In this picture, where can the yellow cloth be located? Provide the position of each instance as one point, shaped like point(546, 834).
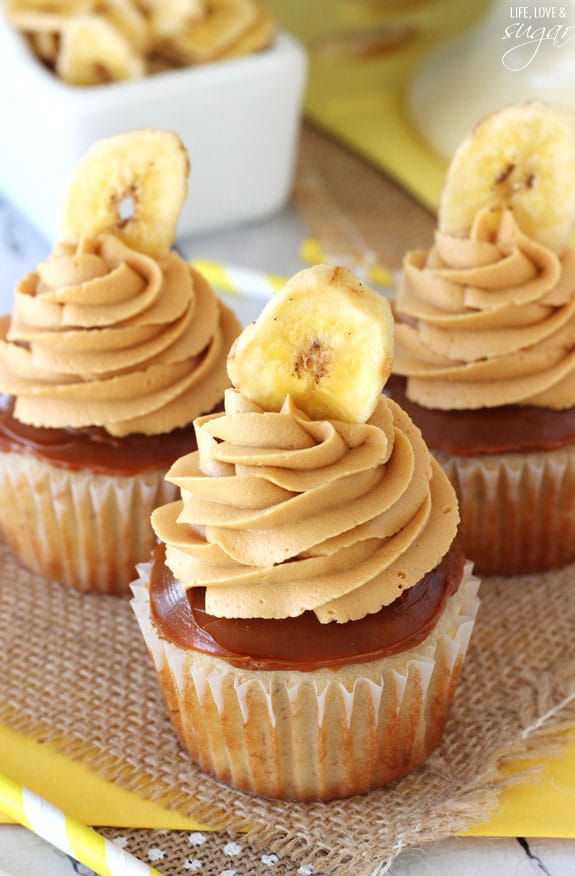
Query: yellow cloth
point(78, 791)
point(543, 808)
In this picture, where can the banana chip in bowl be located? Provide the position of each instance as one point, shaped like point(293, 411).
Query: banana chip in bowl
point(91, 42)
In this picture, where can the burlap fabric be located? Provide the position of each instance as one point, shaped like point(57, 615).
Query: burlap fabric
point(359, 216)
point(77, 676)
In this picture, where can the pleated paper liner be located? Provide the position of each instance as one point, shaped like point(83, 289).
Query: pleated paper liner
point(79, 680)
point(317, 735)
point(517, 509)
point(95, 527)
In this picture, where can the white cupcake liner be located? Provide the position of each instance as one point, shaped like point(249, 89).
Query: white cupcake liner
point(85, 530)
point(517, 509)
point(314, 735)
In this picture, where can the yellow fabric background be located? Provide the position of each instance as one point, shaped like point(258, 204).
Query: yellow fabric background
point(362, 101)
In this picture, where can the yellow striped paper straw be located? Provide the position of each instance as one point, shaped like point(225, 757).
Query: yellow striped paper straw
point(248, 283)
point(237, 280)
point(70, 836)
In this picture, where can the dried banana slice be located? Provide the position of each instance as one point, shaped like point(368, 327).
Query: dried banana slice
point(223, 25)
point(45, 45)
point(258, 37)
point(325, 339)
point(93, 51)
point(158, 64)
point(168, 17)
point(43, 16)
point(133, 185)
point(127, 19)
point(520, 158)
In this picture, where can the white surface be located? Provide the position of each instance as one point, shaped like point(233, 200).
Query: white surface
point(517, 52)
point(239, 120)
point(23, 854)
point(269, 246)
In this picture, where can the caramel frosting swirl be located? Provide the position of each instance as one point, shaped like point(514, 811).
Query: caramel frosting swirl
point(487, 320)
point(102, 335)
point(280, 514)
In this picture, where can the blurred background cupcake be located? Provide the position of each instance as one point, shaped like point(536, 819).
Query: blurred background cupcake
point(113, 346)
point(485, 361)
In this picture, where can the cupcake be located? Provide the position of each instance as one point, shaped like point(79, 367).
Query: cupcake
point(307, 607)
point(485, 339)
point(114, 345)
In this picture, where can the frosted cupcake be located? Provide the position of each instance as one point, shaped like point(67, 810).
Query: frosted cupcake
point(307, 609)
point(113, 346)
point(485, 339)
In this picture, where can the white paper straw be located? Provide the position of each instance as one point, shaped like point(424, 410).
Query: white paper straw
point(83, 843)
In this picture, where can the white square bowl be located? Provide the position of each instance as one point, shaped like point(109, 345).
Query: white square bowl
point(239, 120)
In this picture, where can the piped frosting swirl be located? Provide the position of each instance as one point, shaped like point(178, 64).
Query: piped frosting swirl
point(281, 514)
point(487, 320)
point(103, 335)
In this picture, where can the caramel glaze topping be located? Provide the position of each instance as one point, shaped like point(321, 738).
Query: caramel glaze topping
point(92, 447)
point(300, 643)
point(504, 429)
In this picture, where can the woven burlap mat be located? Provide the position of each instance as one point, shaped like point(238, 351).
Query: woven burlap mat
point(76, 674)
point(358, 215)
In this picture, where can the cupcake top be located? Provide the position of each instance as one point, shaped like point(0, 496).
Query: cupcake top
point(485, 317)
point(311, 491)
point(115, 329)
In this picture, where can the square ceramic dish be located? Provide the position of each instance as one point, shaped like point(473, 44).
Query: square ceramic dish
point(239, 120)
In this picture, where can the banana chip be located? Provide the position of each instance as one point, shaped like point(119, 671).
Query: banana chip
point(256, 39)
point(45, 44)
point(225, 23)
point(520, 158)
point(90, 42)
point(92, 52)
point(143, 173)
point(325, 340)
point(43, 16)
point(125, 16)
point(169, 17)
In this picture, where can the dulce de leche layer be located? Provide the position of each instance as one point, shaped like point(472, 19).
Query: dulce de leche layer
point(487, 320)
point(281, 515)
point(93, 448)
point(506, 429)
point(101, 335)
point(301, 643)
